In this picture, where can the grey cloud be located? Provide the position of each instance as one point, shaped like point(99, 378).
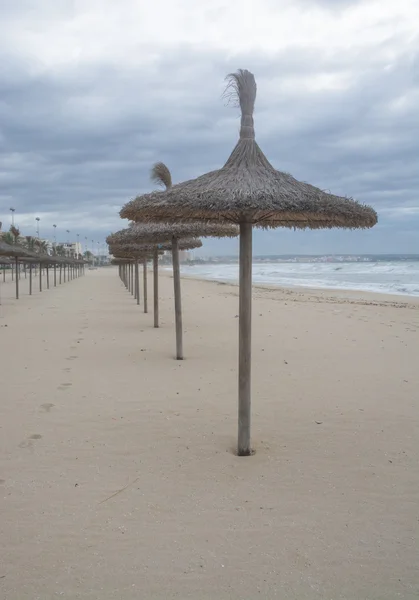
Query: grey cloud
point(82, 141)
point(334, 5)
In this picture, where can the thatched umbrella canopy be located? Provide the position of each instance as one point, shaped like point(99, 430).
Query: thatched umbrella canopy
point(138, 253)
point(16, 252)
point(161, 232)
point(120, 261)
point(182, 244)
point(4, 261)
point(249, 191)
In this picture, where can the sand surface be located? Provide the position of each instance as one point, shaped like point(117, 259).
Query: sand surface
point(117, 466)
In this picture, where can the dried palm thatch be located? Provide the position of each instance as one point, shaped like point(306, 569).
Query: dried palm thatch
point(17, 252)
point(13, 250)
point(248, 188)
point(159, 233)
point(121, 261)
point(133, 251)
point(148, 249)
point(173, 232)
point(162, 232)
point(133, 254)
point(249, 191)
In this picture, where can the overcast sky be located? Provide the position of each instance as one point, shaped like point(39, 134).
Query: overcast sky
point(93, 92)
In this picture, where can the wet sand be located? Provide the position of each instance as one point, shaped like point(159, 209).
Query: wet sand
point(117, 466)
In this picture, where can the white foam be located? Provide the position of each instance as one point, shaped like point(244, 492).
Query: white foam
point(401, 278)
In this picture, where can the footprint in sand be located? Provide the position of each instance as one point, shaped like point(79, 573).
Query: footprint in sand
point(2, 481)
point(64, 386)
point(67, 369)
point(28, 443)
point(47, 406)
point(71, 357)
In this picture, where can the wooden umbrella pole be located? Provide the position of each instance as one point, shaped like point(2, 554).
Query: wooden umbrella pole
point(245, 339)
point(47, 277)
point(17, 278)
point(137, 281)
point(156, 286)
point(145, 285)
point(178, 300)
point(30, 279)
point(61, 274)
point(40, 277)
point(132, 279)
point(55, 275)
point(4, 274)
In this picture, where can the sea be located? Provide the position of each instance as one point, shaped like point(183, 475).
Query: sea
point(397, 275)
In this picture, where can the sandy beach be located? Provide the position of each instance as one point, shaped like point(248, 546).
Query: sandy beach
point(118, 478)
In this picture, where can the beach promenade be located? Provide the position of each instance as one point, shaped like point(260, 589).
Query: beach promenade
point(118, 473)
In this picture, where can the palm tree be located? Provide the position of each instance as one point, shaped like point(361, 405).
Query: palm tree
point(8, 238)
point(43, 247)
point(60, 250)
point(88, 256)
point(15, 233)
point(30, 242)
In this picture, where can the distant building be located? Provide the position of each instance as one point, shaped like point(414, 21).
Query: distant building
point(73, 248)
point(102, 259)
point(184, 256)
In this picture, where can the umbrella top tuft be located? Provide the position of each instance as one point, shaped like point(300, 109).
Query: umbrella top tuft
point(161, 175)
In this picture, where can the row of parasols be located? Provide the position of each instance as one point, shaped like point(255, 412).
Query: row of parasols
point(246, 192)
point(63, 268)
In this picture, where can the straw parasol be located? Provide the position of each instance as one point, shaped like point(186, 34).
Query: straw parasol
point(162, 232)
point(136, 235)
point(135, 253)
point(249, 191)
point(14, 251)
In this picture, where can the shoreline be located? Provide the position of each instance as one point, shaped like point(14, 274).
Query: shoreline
point(330, 295)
